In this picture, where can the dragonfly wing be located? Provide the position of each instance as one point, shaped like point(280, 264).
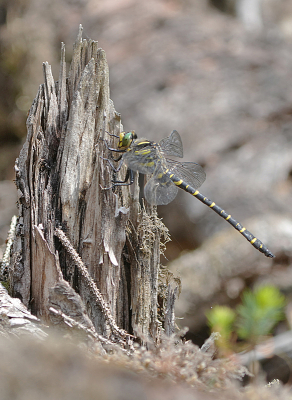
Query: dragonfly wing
point(160, 191)
point(172, 145)
point(191, 173)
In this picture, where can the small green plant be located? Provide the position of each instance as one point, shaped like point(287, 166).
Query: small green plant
point(221, 319)
point(259, 312)
point(255, 318)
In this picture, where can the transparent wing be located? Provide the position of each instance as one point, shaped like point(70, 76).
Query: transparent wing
point(160, 191)
point(172, 145)
point(191, 173)
point(142, 157)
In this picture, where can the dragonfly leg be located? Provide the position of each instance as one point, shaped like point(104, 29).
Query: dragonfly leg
point(112, 134)
point(129, 177)
point(106, 188)
point(112, 165)
point(118, 159)
point(112, 149)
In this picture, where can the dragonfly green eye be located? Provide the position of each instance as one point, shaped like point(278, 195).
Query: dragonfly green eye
point(126, 139)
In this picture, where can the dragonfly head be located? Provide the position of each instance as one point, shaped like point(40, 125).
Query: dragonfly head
point(126, 139)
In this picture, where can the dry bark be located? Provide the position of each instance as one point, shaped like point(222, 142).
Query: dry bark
point(113, 246)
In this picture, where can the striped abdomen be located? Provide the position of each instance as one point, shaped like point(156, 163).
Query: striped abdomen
point(249, 236)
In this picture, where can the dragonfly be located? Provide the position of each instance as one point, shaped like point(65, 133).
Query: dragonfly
point(147, 157)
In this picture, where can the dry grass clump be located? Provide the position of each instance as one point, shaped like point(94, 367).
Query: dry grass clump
point(180, 361)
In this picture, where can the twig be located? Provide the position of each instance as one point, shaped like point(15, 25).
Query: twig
point(90, 283)
point(72, 323)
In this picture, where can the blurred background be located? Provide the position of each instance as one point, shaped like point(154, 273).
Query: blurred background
point(217, 71)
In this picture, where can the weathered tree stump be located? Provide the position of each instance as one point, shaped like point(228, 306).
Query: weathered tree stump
point(60, 176)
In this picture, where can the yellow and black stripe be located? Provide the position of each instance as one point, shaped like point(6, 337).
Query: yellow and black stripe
point(249, 236)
